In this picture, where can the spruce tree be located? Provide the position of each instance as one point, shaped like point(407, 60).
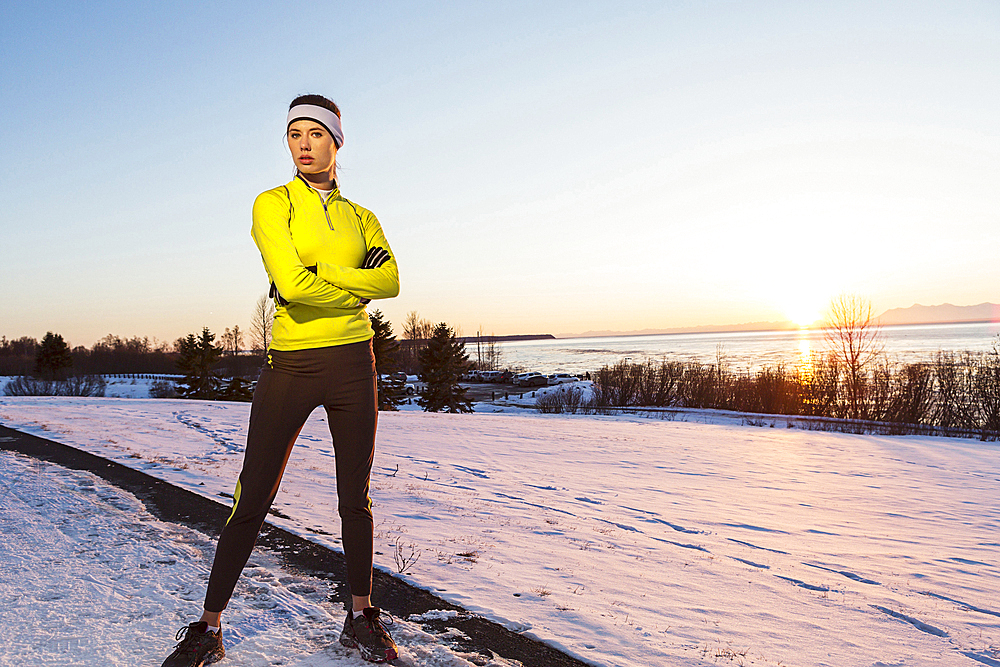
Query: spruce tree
point(197, 357)
point(442, 363)
point(53, 359)
point(386, 350)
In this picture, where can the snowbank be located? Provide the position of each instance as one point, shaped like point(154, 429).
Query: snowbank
point(633, 542)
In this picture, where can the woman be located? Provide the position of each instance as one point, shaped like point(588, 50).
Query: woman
point(326, 258)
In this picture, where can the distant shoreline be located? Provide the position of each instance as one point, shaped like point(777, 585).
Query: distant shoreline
point(505, 339)
point(736, 328)
point(748, 327)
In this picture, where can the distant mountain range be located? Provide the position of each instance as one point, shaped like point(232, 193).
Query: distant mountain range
point(918, 314)
point(915, 314)
point(705, 328)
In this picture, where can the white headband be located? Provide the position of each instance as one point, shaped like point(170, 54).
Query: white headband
point(321, 115)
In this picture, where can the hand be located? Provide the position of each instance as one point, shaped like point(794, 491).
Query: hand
point(375, 258)
point(274, 295)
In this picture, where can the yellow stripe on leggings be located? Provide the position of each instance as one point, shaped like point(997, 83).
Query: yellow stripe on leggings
point(236, 501)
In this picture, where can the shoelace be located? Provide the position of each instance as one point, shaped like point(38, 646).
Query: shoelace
point(378, 626)
point(183, 636)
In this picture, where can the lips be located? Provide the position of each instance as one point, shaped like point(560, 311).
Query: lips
point(306, 159)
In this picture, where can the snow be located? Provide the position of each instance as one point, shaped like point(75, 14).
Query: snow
point(99, 580)
point(132, 387)
point(622, 540)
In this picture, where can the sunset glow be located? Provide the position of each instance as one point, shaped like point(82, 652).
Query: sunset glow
point(556, 168)
point(805, 315)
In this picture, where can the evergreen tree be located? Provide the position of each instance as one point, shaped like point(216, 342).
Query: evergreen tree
point(53, 359)
point(197, 357)
point(442, 363)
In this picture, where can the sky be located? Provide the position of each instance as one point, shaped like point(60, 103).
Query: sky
point(554, 167)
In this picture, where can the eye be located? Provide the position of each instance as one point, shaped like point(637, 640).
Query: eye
point(317, 134)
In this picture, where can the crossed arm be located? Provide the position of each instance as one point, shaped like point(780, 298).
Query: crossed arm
point(324, 285)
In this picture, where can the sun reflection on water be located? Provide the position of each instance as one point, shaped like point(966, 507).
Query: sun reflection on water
point(804, 365)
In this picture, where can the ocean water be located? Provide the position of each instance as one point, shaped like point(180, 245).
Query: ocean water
point(739, 350)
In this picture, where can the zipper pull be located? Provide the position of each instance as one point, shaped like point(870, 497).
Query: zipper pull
point(328, 220)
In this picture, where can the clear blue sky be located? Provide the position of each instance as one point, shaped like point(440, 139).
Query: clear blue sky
point(537, 167)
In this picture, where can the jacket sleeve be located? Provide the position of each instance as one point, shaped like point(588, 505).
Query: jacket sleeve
point(380, 283)
point(294, 282)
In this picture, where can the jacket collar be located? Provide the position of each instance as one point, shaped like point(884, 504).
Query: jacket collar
point(303, 186)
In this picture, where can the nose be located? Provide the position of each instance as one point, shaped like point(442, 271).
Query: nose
point(304, 143)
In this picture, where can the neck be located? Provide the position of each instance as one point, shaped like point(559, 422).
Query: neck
point(321, 181)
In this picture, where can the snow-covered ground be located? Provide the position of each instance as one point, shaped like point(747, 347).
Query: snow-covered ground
point(625, 541)
point(89, 577)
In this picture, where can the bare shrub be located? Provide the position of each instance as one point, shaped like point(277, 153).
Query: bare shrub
point(81, 385)
point(912, 397)
point(658, 384)
point(820, 386)
point(957, 394)
point(954, 384)
point(405, 556)
point(769, 391)
point(700, 387)
point(163, 389)
point(986, 394)
point(854, 337)
point(29, 386)
point(568, 400)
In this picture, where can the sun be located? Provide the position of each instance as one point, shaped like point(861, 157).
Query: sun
point(804, 312)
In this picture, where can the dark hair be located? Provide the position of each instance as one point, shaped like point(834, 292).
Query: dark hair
point(317, 100)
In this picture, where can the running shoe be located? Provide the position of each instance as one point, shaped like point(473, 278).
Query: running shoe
point(369, 635)
point(198, 646)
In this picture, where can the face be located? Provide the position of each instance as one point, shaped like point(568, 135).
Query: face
point(313, 149)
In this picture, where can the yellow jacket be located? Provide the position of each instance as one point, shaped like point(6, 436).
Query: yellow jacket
point(294, 228)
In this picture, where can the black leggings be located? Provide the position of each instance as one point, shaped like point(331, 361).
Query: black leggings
point(291, 386)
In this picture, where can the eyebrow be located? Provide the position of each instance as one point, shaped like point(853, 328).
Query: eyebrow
point(315, 126)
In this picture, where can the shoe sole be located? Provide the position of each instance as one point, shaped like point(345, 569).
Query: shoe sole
point(367, 653)
point(214, 657)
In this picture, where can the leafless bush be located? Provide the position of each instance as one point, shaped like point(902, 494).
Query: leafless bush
point(163, 389)
point(956, 394)
point(405, 556)
point(79, 385)
point(987, 394)
point(565, 399)
point(820, 385)
point(701, 387)
point(911, 400)
point(854, 337)
point(954, 384)
point(769, 391)
point(83, 385)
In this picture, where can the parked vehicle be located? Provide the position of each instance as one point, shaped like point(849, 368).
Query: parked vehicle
point(397, 384)
point(516, 380)
point(534, 380)
point(562, 378)
point(490, 376)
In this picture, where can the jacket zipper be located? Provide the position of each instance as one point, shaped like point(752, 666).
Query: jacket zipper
point(328, 221)
point(322, 201)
